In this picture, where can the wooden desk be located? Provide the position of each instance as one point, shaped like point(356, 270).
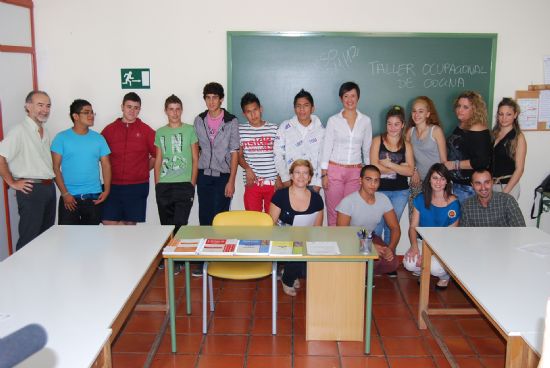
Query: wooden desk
point(335, 298)
point(508, 285)
point(80, 283)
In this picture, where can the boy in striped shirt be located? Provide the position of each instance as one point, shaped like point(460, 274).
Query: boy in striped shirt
point(256, 156)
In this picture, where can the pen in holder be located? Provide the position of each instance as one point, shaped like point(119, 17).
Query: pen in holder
point(365, 241)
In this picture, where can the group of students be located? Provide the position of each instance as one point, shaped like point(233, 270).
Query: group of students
point(366, 181)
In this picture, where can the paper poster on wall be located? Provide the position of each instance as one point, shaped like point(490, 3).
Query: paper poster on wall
point(544, 107)
point(528, 117)
point(546, 67)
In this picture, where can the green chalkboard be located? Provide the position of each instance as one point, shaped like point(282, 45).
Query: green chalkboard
point(389, 68)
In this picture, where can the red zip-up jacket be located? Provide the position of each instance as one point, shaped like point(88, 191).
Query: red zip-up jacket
point(132, 145)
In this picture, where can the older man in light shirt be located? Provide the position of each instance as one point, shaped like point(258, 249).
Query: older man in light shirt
point(26, 166)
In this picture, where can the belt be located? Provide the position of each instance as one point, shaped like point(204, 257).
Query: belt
point(262, 182)
point(354, 166)
point(502, 179)
point(38, 181)
point(87, 196)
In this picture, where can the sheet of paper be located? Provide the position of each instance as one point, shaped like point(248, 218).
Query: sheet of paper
point(304, 220)
point(546, 67)
point(322, 248)
point(538, 249)
point(544, 107)
point(528, 118)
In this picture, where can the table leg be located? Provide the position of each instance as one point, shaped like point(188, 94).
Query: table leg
point(171, 300)
point(519, 354)
point(368, 319)
point(424, 284)
point(188, 287)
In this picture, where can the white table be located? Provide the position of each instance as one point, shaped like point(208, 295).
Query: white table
point(76, 281)
point(510, 286)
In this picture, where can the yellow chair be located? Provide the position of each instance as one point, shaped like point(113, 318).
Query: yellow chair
point(239, 270)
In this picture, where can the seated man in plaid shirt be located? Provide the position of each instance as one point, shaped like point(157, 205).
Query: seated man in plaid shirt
point(488, 208)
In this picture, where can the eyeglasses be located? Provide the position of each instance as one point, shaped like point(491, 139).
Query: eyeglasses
point(87, 113)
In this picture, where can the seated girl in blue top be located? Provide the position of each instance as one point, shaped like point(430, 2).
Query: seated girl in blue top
point(436, 206)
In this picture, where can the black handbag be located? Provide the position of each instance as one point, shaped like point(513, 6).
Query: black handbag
point(543, 187)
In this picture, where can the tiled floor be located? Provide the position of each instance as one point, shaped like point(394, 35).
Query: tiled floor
point(239, 333)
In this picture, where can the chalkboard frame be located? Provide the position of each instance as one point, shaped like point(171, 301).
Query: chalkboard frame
point(493, 37)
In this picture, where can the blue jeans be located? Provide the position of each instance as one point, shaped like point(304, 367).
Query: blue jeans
point(398, 200)
point(462, 192)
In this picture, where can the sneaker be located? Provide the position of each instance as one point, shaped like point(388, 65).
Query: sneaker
point(196, 272)
point(392, 274)
point(416, 274)
point(296, 284)
point(442, 284)
point(289, 290)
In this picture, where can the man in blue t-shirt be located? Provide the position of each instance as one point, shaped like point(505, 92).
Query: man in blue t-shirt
point(76, 153)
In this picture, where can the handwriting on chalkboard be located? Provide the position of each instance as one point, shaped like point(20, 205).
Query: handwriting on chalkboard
point(336, 60)
point(427, 75)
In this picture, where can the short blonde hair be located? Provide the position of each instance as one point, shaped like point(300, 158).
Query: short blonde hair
point(301, 162)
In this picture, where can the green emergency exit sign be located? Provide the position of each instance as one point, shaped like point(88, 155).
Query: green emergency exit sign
point(135, 78)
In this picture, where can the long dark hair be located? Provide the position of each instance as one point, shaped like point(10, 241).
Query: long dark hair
point(441, 170)
point(513, 144)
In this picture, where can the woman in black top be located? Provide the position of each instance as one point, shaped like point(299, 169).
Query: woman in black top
point(469, 145)
point(510, 149)
point(286, 204)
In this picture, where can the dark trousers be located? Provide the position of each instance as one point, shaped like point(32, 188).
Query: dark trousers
point(86, 213)
point(212, 199)
point(36, 212)
point(174, 202)
point(293, 271)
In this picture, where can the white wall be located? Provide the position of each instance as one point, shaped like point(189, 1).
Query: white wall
point(82, 45)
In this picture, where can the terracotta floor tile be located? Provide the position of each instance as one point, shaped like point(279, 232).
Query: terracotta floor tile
point(462, 362)
point(185, 344)
point(385, 283)
point(489, 345)
point(391, 311)
point(233, 309)
point(133, 343)
point(458, 345)
point(405, 346)
point(154, 295)
point(357, 348)
point(263, 309)
point(270, 345)
point(275, 361)
point(478, 327)
point(299, 326)
point(305, 361)
point(300, 310)
point(411, 362)
point(386, 296)
point(149, 322)
point(493, 362)
point(240, 295)
point(262, 326)
point(325, 348)
point(220, 344)
point(189, 324)
point(435, 350)
point(397, 327)
point(447, 327)
point(221, 325)
point(173, 361)
point(364, 362)
point(196, 308)
point(128, 360)
point(218, 361)
point(453, 295)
